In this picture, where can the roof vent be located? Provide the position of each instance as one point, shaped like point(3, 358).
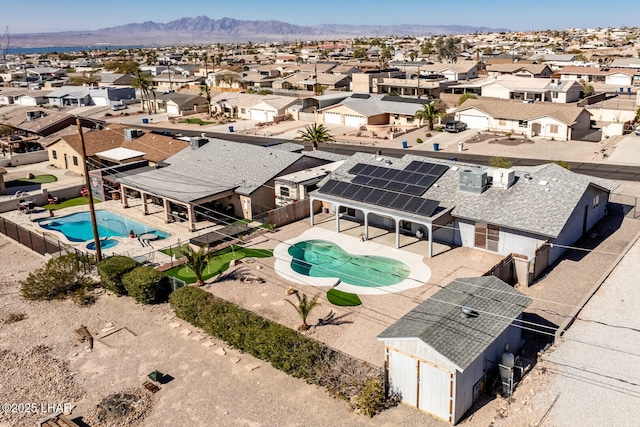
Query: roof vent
point(542, 182)
point(467, 312)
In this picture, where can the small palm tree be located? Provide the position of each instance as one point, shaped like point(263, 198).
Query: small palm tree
point(465, 96)
point(143, 82)
point(196, 260)
point(429, 112)
point(304, 307)
point(315, 134)
point(205, 90)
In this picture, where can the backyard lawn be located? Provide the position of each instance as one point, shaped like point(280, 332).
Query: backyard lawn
point(196, 122)
point(78, 201)
point(38, 179)
point(218, 262)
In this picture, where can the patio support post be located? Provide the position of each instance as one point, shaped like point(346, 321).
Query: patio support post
point(311, 200)
point(430, 230)
point(145, 208)
point(123, 196)
point(192, 218)
point(366, 224)
point(165, 202)
point(397, 232)
point(337, 218)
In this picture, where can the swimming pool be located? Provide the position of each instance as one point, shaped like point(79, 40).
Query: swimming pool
point(77, 227)
point(322, 258)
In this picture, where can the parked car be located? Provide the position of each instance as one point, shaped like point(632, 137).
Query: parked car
point(455, 126)
point(118, 107)
point(638, 131)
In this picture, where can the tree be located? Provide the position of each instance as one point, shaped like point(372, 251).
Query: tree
point(304, 307)
point(587, 89)
point(315, 134)
point(465, 96)
point(196, 260)
point(500, 162)
point(142, 81)
point(413, 55)
point(429, 112)
point(448, 48)
point(205, 90)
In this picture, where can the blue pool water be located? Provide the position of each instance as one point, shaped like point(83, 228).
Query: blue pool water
point(104, 244)
point(321, 258)
point(77, 227)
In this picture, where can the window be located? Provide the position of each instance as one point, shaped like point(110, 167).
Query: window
point(523, 123)
point(596, 201)
point(502, 122)
point(348, 211)
point(553, 128)
point(243, 110)
point(554, 95)
point(284, 191)
point(487, 236)
point(75, 161)
point(54, 154)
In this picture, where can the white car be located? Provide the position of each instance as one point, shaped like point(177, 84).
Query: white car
point(118, 107)
point(638, 131)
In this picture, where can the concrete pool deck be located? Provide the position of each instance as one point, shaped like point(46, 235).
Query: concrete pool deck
point(418, 276)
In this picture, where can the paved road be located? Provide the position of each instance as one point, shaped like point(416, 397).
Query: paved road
point(610, 171)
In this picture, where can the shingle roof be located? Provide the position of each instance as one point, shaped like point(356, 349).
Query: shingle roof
point(244, 166)
point(375, 105)
point(517, 110)
point(438, 321)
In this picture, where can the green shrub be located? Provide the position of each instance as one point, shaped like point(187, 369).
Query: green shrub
point(372, 398)
point(60, 278)
point(428, 135)
point(188, 303)
point(147, 285)
point(111, 271)
point(418, 140)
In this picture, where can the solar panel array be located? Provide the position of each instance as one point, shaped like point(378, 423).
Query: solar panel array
point(390, 188)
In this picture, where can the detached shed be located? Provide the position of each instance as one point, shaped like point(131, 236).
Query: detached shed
point(438, 355)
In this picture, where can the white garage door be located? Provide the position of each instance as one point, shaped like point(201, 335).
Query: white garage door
point(173, 110)
point(617, 79)
point(333, 118)
point(403, 374)
point(475, 122)
point(260, 115)
point(355, 121)
point(270, 115)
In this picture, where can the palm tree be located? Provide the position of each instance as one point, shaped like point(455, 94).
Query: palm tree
point(429, 112)
point(143, 82)
point(465, 96)
point(315, 134)
point(304, 307)
point(196, 260)
point(205, 90)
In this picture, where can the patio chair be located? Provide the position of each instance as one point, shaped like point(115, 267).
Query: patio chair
point(84, 192)
point(53, 200)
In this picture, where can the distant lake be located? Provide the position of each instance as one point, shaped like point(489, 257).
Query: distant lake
point(49, 49)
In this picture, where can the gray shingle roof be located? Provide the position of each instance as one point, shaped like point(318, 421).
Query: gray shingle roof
point(244, 166)
point(517, 110)
point(438, 321)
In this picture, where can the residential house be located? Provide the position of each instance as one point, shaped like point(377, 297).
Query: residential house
point(440, 356)
point(296, 186)
point(562, 122)
point(538, 71)
point(609, 76)
point(251, 106)
point(82, 96)
point(32, 121)
point(459, 71)
point(369, 109)
point(534, 212)
point(231, 178)
point(33, 98)
point(399, 83)
point(115, 79)
point(178, 104)
point(40, 74)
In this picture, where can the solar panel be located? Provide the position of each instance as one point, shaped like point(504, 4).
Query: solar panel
point(378, 183)
point(390, 173)
point(403, 176)
point(368, 169)
point(438, 170)
point(414, 178)
point(340, 188)
point(387, 199)
point(426, 181)
point(396, 186)
point(400, 201)
point(413, 166)
point(428, 207)
point(357, 168)
point(378, 172)
point(414, 190)
point(328, 186)
point(361, 179)
point(374, 196)
point(360, 194)
point(425, 167)
point(413, 204)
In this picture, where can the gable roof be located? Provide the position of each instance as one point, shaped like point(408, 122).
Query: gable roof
point(518, 110)
point(374, 104)
point(438, 321)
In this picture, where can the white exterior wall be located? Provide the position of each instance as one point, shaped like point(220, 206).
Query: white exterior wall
point(618, 79)
point(496, 91)
point(510, 241)
point(27, 101)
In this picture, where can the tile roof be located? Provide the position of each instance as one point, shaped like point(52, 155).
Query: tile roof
point(518, 110)
point(438, 321)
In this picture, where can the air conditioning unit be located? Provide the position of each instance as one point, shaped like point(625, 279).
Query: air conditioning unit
point(473, 181)
point(197, 142)
point(131, 134)
point(503, 178)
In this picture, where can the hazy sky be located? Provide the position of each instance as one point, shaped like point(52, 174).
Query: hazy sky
point(62, 15)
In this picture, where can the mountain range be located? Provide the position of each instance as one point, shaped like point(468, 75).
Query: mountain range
point(204, 30)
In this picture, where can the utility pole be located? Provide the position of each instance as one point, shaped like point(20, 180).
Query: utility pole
point(92, 211)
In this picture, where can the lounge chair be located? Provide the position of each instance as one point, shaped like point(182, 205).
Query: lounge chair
point(53, 200)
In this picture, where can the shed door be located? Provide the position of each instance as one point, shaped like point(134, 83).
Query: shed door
point(474, 122)
point(403, 377)
point(333, 118)
point(436, 391)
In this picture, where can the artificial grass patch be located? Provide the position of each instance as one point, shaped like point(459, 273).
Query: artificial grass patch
point(38, 179)
point(77, 201)
point(174, 250)
point(343, 299)
point(218, 263)
point(196, 122)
